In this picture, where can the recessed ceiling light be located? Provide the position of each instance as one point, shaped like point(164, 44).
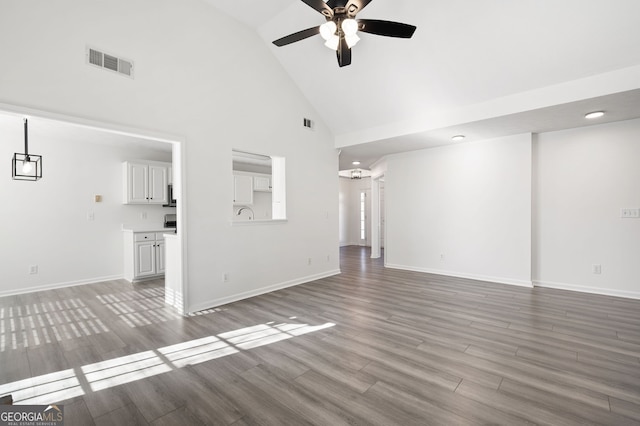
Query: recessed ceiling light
point(356, 163)
point(457, 138)
point(594, 114)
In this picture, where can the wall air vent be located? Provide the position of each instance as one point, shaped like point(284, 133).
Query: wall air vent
point(109, 62)
point(307, 123)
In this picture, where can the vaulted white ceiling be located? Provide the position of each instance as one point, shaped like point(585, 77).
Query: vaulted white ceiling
point(483, 67)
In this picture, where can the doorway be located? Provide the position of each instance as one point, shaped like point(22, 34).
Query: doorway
point(94, 207)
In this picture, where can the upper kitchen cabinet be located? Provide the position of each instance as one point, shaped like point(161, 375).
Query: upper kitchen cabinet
point(242, 189)
point(145, 182)
point(262, 183)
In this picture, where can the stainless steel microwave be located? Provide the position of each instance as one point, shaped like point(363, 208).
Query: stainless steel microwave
point(170, 197)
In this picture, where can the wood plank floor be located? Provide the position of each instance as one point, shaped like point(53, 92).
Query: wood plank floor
point(371, 346)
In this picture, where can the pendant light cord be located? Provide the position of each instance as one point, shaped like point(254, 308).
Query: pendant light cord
point(26, 140)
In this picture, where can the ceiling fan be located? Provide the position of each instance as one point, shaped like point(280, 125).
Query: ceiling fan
point(340, 30)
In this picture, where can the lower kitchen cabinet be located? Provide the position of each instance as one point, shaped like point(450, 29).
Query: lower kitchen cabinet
point(144, 255)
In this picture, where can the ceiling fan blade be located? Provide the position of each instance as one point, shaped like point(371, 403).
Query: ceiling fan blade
point(360, 4)
point(386, 28)
point(344, 53)
point(300, 35)
point(320, 6)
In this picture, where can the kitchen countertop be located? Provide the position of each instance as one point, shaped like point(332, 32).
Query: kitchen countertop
point(147, 229)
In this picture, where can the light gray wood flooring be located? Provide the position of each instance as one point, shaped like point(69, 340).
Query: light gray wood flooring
point(371, 346)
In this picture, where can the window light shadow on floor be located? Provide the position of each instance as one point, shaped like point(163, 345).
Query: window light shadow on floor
point(35, 324)
point(44, 322)
point(70, 383)
point(139, 308)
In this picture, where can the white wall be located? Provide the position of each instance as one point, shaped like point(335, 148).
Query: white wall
point(45, 223)
point(469, 203)
point(201, 75)
point(583, 178)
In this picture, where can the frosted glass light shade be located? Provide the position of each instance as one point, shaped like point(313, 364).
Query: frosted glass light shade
point(333, 42)
point(349, 27)
point(351, 40)
point(27, 167)
point(328, 29)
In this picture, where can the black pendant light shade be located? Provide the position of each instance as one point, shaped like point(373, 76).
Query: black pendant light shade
point(26, 166)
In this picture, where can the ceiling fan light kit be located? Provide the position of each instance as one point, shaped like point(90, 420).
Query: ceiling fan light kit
point(340, 30)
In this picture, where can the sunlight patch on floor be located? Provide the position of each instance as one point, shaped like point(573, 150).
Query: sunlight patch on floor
point(66, 384)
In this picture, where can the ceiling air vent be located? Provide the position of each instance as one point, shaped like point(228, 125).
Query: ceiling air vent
point(109, 62)
point(308, 123)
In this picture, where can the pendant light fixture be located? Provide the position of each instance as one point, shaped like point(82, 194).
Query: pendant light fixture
point(26, 166)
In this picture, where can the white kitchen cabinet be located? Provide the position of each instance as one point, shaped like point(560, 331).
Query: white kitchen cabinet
point(160, 263)
point(158, 184)
point(145, 182)
point(242, 189)
point(144, 255)
point(145, 259)
point(262, 183)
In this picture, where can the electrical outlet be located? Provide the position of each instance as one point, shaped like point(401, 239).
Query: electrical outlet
point(597, 269)
point(630, 213)
point(91, 216)
point(442, 257)
point(225, 277)
point(143, 215)
point(33, 269)
point(309, 261)
point(328, 258)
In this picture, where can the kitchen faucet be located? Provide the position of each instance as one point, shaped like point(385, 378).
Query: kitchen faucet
point(241, 209)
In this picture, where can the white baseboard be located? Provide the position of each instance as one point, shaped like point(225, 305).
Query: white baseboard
point(257, 292)
point(60, 285)
point(350, 243)
point(586, 289)
point(499, 280)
